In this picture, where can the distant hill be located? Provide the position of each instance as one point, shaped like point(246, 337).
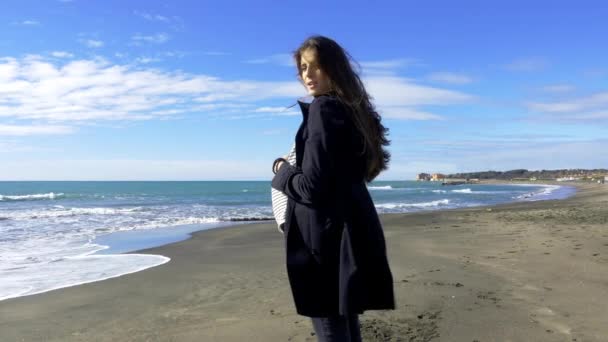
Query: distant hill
point(523, 173)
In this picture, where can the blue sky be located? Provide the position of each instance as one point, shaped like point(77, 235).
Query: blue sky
point(193, 90)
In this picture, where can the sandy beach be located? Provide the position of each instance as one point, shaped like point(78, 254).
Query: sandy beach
point(526, 271)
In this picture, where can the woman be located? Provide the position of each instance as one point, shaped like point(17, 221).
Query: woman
point(335, 248)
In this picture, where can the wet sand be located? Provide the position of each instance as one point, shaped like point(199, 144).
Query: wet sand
point(528, 271)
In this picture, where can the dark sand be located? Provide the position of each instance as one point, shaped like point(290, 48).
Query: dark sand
point(532, 271)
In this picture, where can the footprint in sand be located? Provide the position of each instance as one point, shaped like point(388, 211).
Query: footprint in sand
point(422, 328)
point(440, 283)
point(547, 317)
point(488, 295)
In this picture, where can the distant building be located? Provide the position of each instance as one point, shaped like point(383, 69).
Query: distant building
point(437, 177)
point(570, 178)
point(423, 177)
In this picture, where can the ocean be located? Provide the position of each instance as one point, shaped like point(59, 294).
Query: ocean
point(60, 234)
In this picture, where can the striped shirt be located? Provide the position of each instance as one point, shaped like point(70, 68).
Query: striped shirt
point(279, 199)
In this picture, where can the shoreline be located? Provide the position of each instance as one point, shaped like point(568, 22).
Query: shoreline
point(451, 267)
point(186, 231)
point(122, 244)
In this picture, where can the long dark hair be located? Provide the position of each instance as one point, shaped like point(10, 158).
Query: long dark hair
point(345, 83)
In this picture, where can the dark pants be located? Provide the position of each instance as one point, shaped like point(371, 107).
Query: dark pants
point(337, 328)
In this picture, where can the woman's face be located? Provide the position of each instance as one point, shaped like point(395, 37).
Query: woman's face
point(314, 79)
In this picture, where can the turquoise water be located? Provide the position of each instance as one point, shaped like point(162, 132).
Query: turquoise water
point(57, 234)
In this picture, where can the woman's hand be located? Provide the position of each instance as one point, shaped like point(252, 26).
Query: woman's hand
point(278, 164)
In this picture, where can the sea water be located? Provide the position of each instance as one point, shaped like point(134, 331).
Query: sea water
point(59, 234)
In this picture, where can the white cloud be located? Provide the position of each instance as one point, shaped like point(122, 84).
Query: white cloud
point(390, 63)
point(396, 97)
point(147, 60)
point(158, 38)
point(9, 68)
point(527, 64)
point(578, 107)
point(278, 111)
point(153, 17)
point(449, 77)
point(92, 90)
point(123, 169)
point(178, 54)
point(61, 54)
point(174, 22)
point(555, 107)
point(397, 91)
point(283, 59)
point(595, 73)
point(30, 22)
point(14, 130)
point(222, 106)
point(27, 22)
point(383, 68)
point(558, 88)
point(405, 113)
point(81, 91)
point(92, 43)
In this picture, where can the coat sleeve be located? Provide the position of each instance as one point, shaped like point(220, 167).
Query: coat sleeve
point(311, 184)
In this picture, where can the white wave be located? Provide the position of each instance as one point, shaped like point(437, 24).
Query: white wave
point(50, 195)
point(104, 211)
point(546, 190)
point(463, 191)
point(384, 187)
point(168, 222)
point(416, 205)
point(71, 271)
point(58, 211)
point(468, 191)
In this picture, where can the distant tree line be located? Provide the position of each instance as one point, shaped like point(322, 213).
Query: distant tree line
point(523, 173)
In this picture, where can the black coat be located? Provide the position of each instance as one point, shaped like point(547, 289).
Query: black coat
point(335, 246)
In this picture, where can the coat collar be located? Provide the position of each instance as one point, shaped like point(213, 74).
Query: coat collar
point(304, 108)
point(306, 101)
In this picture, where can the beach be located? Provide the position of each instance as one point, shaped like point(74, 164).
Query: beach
point(523, 271)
